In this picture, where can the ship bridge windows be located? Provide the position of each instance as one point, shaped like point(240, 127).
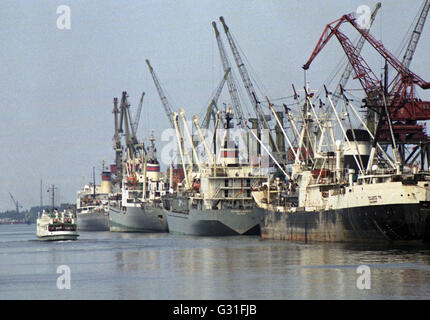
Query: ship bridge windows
point(327, 162)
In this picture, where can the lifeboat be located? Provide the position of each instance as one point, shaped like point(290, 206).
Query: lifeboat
point(196, 185)
point(132, 179)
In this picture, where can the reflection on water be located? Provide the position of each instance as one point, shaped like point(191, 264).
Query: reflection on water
point(163, 266)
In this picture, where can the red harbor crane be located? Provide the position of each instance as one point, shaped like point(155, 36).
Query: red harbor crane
point(404, 108)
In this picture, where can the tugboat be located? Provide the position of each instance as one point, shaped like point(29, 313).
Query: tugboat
point(56, 226)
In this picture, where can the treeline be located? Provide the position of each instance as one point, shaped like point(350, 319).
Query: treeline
point(30, 216)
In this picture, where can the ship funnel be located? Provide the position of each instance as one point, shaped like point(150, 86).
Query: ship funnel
point(106, 185)
point(153, 170)
point(359, 147)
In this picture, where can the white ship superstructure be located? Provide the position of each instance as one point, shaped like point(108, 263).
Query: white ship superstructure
point(140, 207)
point(216, 199)
point(56, 226)
point(352, 191)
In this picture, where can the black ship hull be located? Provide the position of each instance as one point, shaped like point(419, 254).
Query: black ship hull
point(378, 223)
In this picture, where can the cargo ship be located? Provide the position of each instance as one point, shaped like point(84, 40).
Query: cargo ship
point(92, 205)
point(140, 207)
point(347, 194)
point(382, 206)
point(371, 185)
point(216, 199)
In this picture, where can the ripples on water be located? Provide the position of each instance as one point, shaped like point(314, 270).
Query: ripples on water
point(108, 265)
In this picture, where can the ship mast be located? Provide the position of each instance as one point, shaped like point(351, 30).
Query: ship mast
point(94, 183)
point(52, 190)
point(152, 155)
point(117, 143)
point(41, 197)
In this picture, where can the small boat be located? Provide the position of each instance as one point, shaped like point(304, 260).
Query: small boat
point(54, 226)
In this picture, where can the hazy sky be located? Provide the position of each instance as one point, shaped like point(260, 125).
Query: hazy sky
point(57, 86)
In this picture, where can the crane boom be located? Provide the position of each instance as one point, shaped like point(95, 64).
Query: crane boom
point(348, 69)
point(262, 123)
point(398, 82)
point(245, 76)
point(190, 138)
point(391, 59)
point(406, 78)
point(163, 97)
point(363, 72)
point(202, 138)
point(212, 108)
point(182, 150)
point(117, 142)
point(15, 203)
point(13, 200)
point(135, 123)
point(230, 81)
point(125, 124)
point(396, 102)
point(415, 37)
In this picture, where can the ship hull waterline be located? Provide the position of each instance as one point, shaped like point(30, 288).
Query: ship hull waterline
point(227, 222)
point(378, 223)
point(93, 221)
point(146, 219)
point(59, 236)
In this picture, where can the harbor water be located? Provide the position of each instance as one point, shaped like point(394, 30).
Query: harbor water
point(104, 265)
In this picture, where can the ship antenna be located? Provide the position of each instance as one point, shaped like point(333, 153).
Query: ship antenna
point(94, 183)
point(152, 146)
